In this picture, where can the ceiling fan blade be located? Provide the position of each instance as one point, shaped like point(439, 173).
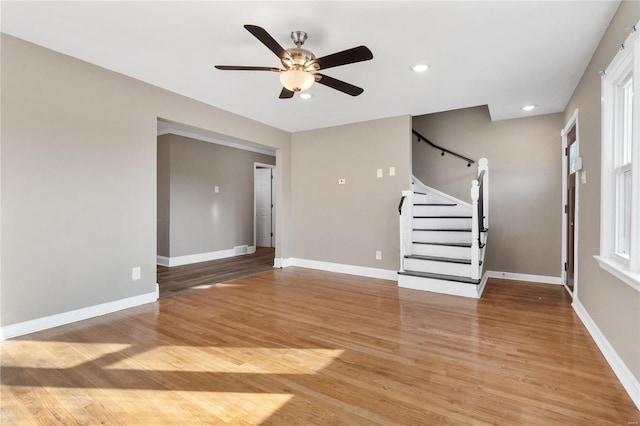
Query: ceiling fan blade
point(243, 68)
point(286, 93)
point(340, 85)
point(264, 37)
point(349, 56)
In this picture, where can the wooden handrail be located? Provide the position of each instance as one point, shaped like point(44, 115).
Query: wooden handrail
point(443, 150)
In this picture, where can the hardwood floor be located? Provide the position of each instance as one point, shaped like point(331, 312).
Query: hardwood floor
point(298, 346)
point(178, 279)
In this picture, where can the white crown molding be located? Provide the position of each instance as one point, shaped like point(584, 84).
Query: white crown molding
point(44, 323)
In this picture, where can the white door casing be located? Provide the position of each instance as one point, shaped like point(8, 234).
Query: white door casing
point(263, 206)
point(573, 121)
point(273, 207)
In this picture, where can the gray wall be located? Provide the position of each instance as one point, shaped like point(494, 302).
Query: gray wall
point(525, 169)
point(201, 220)
point(78, 176)
point(348, 223)
point(613, 305)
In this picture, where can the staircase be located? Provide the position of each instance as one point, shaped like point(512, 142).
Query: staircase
point(443, 239)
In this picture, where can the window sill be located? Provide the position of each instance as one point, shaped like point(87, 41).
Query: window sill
point(620, 271)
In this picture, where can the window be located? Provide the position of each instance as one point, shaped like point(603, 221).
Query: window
point(620, 203)
point(622, 143)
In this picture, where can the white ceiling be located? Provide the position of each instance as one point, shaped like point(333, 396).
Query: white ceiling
point(503, 54)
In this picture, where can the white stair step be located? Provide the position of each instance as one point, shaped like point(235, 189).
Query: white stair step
point(420, 197)
point(441, 236)
point(455, 250)
point(441, 209)
point(438, 265)
point(444, 235)
point(441, 221)
point(438, 283)
point(431, 197)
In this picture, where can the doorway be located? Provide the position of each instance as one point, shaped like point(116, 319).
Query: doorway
point(208, 207)
point(264, 202)
point(570, 174)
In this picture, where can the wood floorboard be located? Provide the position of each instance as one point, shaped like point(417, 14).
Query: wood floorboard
point(298, 346)
point(178, 279)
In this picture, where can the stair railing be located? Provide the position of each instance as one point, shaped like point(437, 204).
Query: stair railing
point(406, 228)
point(479, 214)
point(441, 149)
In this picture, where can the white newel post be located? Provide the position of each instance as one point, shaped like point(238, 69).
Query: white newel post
point(475, 232)
point(406, 228)
point(483, 165)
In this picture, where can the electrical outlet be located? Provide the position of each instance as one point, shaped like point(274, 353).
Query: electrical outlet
point(379, 173)
point(378, 255)
point(216, 189)
point(392, 171)
point(136, 273)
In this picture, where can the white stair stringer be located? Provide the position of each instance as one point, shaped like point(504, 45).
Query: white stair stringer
point(440, 256)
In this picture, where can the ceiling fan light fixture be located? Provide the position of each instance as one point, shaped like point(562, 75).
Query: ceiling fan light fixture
point(297, 80)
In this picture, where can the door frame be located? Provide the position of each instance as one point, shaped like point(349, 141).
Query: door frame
point(573, 121)
point(257, 166)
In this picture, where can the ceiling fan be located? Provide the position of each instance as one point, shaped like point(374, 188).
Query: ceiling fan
point(301, 66)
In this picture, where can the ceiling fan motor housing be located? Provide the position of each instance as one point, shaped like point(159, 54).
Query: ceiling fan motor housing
point(301, 59)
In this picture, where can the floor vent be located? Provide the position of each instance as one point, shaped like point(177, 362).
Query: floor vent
point(241, 249)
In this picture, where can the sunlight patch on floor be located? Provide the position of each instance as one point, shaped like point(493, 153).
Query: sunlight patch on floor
point(230, 360)
point(224, 285)
point(160, 406)
point(59, 354)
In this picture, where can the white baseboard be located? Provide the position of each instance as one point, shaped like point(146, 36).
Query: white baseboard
point(51, 321)
point(542, 279)
point(201, 257)
point(363, 271)
point(483, 284)
point(281, 262)
point(628, 380)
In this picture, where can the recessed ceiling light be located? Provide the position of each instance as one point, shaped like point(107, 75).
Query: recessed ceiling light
point(305, 95)
point(529, 107)
point(420, 67)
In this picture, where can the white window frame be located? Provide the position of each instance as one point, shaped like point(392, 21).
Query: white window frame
point(626, 61)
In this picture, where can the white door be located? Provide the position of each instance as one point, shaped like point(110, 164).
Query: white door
point(263, 207)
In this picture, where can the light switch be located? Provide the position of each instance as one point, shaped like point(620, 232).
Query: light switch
point(216, 189)
point(136, 273)
point(392, 171)
point(379, 173)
